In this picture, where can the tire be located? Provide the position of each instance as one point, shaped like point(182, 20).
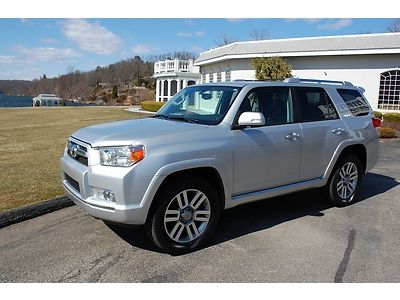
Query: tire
point(344, 183)
point(184, 215)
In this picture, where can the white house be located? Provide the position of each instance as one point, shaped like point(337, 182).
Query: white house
point(172, 75)
point(368, 60)
point(46, 100)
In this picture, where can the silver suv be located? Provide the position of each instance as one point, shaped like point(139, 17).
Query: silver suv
point(216, 146)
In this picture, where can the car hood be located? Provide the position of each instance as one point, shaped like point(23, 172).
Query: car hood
point(132, 131)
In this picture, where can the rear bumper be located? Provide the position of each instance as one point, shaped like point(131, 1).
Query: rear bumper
point(372, 152)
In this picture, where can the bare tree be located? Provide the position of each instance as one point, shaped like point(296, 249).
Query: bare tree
point(70, 69)
point(394, 26)
point(184, 55)
point(259, 34)
point(225, 39)
point(87, 85)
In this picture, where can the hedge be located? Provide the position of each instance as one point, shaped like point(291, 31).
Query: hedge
point(151, 105)
point(391, 117)
point(387, 133)
point(378, 114)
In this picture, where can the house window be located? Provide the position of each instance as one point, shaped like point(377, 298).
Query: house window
point(228, 75)
point(203, 78)
point(219, 76)
point(211, 78)
point(389, 90)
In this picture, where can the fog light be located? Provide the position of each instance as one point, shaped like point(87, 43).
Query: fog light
point(109, 196)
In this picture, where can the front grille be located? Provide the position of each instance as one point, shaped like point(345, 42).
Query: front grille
point(82, 160)
point(78, 152)
point(72, 182)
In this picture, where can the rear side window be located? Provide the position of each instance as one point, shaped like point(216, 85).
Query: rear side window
point(357, 104)
point(315, 105)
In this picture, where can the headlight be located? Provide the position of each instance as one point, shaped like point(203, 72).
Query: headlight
point(121, 156)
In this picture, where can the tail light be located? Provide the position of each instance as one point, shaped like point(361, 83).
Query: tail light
point(376, 122)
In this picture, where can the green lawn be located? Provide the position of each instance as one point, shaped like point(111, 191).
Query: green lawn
point(31, 142)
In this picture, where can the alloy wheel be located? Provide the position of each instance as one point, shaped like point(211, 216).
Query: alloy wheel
point(187, 216)
point(347, 180)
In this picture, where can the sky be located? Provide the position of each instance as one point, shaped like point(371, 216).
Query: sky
point(31, 47)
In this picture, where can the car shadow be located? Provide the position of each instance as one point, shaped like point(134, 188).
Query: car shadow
point(261, 215)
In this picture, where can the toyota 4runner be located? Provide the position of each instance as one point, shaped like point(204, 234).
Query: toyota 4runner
point(216, 146)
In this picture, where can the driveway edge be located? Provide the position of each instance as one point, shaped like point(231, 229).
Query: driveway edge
point(17, 215)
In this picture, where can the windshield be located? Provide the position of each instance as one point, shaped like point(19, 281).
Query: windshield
point(200, 104)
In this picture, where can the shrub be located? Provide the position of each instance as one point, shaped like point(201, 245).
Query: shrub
point(391, 120)
point(151, 105)
point(391, 117)
point(378, 114)
point(387, 133)
point(271, 68)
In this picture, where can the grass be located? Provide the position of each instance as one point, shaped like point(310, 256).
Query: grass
point(32, 140)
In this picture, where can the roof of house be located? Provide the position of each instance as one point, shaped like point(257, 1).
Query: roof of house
point(311, 46)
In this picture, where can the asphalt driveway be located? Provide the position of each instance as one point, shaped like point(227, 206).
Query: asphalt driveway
point(296, 238)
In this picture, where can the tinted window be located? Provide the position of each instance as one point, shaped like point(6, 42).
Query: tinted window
point(355, 102)
point(315, 105)
point(275, 103)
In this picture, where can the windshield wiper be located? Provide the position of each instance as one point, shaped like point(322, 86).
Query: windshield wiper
point(182, 118)
point(160, 116)
point(175, 117)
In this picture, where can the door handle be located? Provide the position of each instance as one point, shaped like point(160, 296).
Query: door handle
point(338, 131)
point(293, 136)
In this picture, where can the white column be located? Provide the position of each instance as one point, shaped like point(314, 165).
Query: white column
point(176, 65)
point(190, 65)
point(169, 89)
point(185, 83)
point(162, 90)
point(178, 85)
point(157, 90)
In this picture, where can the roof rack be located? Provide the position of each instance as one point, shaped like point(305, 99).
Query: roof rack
point(246, 80)
point(320, 81)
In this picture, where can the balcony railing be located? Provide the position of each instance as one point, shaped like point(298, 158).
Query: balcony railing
point(173, 65)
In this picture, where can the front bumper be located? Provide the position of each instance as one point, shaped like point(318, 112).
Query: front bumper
point(130, 206)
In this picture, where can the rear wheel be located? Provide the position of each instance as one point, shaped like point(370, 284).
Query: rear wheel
point(185, 215)
point(344, 183)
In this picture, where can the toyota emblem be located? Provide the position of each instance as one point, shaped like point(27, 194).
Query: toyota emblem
point(73, 151)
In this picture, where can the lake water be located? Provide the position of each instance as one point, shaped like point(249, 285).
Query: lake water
point(15, 101)
point(24, 101)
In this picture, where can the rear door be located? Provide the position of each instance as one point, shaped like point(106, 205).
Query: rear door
point(322, 129)
point(267, 156)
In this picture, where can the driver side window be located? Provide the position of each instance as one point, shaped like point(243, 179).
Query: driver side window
point(275, 103)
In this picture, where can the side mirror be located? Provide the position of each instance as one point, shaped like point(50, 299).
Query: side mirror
point(251, 119)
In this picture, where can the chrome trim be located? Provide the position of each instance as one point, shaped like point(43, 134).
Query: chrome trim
point(75, 149)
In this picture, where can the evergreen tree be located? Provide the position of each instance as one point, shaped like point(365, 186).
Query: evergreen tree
point(115, 92)
point(272, 68)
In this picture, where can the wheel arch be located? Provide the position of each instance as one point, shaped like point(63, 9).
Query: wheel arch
point(209, 173)
point(358, 150)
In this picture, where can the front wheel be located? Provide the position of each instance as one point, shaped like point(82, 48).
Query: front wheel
point(344, 184)
point(186, 213)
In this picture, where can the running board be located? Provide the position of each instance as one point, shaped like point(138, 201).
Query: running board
point(277, 191)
